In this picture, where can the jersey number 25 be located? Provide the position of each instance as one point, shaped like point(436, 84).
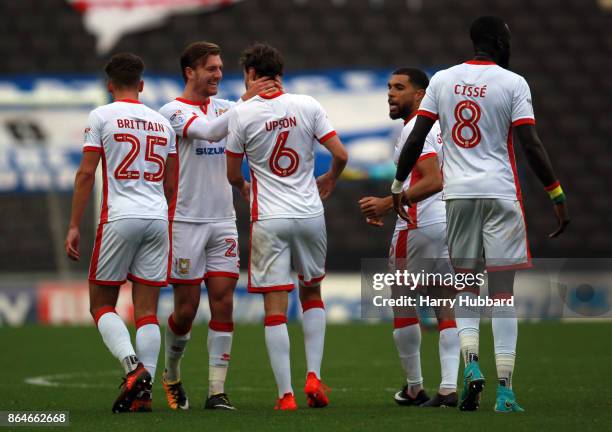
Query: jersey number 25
point(124, 173)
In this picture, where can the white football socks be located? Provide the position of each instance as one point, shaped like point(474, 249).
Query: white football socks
point(408, 343)
point(449, 350)
point(148, 342)
point(219, 345)
point(468, 323)
point(313, 325)
point(505, 333)
point(175, 342)
point(277, 342)
point(116, 337)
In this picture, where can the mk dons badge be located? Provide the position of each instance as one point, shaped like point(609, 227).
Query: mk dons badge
point(220, 111)
point(183, 265)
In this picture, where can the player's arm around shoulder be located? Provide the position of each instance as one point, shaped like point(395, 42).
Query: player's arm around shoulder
point(327, 182)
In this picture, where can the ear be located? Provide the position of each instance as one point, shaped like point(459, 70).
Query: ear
point(189, 73)
point(109, 86)
point(140, 86)
point(251, 74)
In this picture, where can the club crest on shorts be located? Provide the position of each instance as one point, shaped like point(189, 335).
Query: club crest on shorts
point(183, 265)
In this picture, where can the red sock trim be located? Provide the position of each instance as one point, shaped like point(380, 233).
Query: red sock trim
point(221, 326)
point(147, 319)
point(446, 324)
point(404, 322)
point(502, 296)
point(312, 304)
point(103, 310)
point(179, 331)
point(274, 320)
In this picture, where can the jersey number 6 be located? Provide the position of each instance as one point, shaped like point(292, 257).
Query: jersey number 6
point(279, 151)
point(470, 122)
point(124, 173)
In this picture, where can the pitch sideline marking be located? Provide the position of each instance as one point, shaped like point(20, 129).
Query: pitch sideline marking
point(52, 381)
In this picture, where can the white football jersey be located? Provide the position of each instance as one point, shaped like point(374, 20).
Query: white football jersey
point(478, 103)
point(431, 210)
point(278, 135)
point(134, 141)
point(203, 193)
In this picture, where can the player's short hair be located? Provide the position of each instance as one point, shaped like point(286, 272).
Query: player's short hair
point(197, 53)
point(266, 60)
point(418, 78)
point(124, 70)
point(486, 29)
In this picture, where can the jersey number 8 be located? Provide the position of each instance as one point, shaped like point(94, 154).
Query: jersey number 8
point(279, 151)
point(124, 173)
point(470, 122)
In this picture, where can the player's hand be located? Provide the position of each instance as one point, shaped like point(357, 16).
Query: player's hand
point(375, 222)
point(245, 192)
point(374, 207)
point(326, 184)
point(399, 207)
point(562, 219)
point(72, 243)
point(261, 85)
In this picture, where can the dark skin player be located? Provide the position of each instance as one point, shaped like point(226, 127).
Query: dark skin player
point(497, 49)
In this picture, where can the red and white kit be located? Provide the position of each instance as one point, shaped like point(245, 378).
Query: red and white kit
point(279, 134)
point(132, 237)
point(422, 244)
point(204, 239)
point(477, 104)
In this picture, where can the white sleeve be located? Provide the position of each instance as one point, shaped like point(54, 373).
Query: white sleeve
point(322, 128)
point(429, 104)
point(188, 125)
point(429, 148)
point(172, 143)
point(215, 130)
point(234, 145)
point(522, 108)
point(93, 133)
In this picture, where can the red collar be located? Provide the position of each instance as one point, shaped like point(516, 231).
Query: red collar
point(480, 62)
point(272, 95)
point(410, 118)
point(202, 105)
point(134, 101)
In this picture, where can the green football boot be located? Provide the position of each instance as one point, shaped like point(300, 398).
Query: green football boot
point(506, 401)
point(473, 383)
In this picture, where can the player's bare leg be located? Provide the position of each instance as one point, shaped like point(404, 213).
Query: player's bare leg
point(117, 338)
point(148, 339)
point(220, 334)
point(177, 335)
point(277, 343)
point(313, 325)
point(449, 351)
point(505, 333)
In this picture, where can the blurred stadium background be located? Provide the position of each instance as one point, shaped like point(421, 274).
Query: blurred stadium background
point(339, 51)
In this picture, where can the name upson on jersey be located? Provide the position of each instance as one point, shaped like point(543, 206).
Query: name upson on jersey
point(282, 123)
point(140, 125)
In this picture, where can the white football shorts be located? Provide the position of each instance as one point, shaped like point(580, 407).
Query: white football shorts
point(134, 249)
point(277, 245)
point(487, 233)
point(203, 250)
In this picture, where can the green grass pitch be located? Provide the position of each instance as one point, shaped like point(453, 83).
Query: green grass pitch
point(562, 379)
